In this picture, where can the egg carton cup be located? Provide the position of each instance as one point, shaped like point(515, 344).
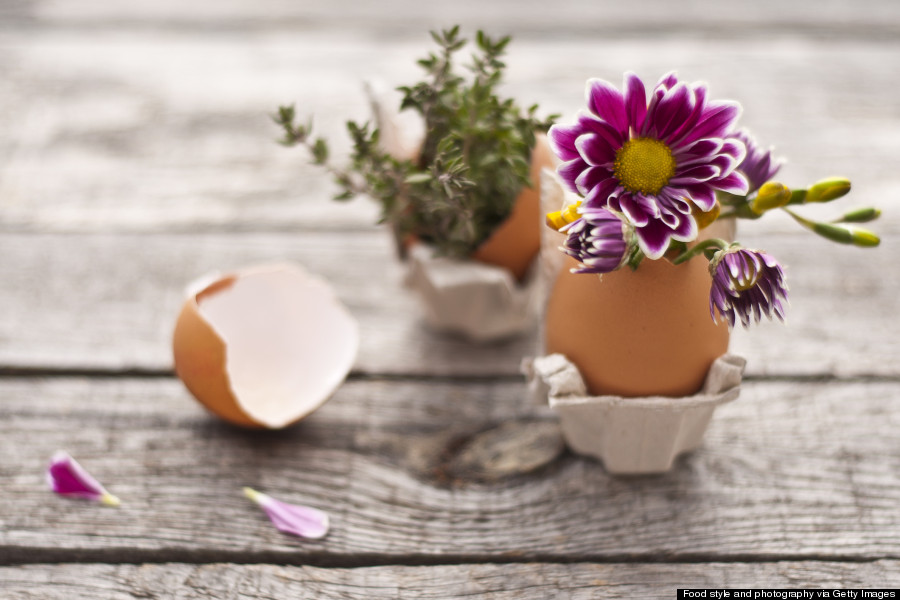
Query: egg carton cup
point(480, 302)
point(632, 436)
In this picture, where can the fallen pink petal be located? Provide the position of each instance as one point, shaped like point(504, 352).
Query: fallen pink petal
point(68, 478)
point(293, 519)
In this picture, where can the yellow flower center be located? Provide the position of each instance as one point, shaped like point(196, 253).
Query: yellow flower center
point(644, 165)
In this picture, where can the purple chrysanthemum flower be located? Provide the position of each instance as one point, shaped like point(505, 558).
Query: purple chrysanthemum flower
point(746, 284)
point(596, 240)
point(758, 166)
point(654, 158)
point(294, 519)
point(68, 478)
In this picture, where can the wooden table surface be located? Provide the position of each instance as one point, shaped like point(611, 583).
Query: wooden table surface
point(136, 154)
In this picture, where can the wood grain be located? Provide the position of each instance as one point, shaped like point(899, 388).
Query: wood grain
point(110, 301)
point(136, 154)
point(168, 130)
point(575, 17)
point(533, 581)
point(788, 472)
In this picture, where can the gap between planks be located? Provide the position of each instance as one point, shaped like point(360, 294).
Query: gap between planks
point(16, 556)
point(15, 372)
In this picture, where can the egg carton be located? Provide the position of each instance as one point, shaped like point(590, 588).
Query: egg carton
point(631, 436)
point(478, 301)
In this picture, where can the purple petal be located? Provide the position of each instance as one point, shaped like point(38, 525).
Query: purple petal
point(67, 478)
point(697, 95)
point(595, 149)
point(668, 80)
point(699, 150)
point(695, 174)
point(653, 238)
point(569, 172)
point(701, 195)
point(759, 166)
point(735, 148)
point(613, 136)
point(562, 141)
point(635, 101)
point(293, 519)
point(599, 192)
point(716, 122)
point(725, 163)
point(635, 210)
point(608, 103)
point(686, 229)
point(734, 183)
point(673, 110)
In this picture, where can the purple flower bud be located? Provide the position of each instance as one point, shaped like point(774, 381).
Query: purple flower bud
point(746, 284)
point(301, 521)
point(67, 478)
point(758, 166)
point(596, 240)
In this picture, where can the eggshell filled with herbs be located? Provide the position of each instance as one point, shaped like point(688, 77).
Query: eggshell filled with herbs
point(264, 347)
point(517, 240)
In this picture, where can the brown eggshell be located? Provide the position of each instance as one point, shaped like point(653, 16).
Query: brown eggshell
point(636, 333)
point(264, 347)
point(199, 356)
point(517, 241)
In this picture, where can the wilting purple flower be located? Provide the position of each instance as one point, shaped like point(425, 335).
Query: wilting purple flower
point(758, 166)
point(652, 158)
point(596, 240)
point(746, 284)
point(301, 521)
point(67, 478)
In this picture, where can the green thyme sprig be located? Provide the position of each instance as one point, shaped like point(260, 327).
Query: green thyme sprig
point(473, 162)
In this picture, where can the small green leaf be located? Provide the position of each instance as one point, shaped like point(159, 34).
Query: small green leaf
point(417, 178)
point(320, 151)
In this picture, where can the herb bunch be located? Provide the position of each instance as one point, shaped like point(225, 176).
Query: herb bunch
point(471, 166)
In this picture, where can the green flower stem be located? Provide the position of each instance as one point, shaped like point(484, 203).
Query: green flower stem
point(700, 248)
point(740, 211)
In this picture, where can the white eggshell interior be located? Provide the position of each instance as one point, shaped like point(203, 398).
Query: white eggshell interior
point(289, 341)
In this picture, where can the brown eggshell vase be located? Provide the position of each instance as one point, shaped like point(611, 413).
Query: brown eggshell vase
point(643, 346)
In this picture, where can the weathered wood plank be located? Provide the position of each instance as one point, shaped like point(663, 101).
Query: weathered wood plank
point(161, 130)
point(788, 472)
point(110, 302)
point(533, 581)
point(580, 17)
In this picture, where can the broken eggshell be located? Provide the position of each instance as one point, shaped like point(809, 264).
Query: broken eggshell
point(265, 346)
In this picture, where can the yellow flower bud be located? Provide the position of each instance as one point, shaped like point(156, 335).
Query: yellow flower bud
point(865, 238)
point(571, 212)
point(770, 196)
point(555, 220)
point(827, 189)
point(560, 218)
